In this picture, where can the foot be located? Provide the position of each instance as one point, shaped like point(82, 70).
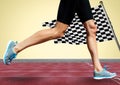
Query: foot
point(104, 74)
point(9, 53)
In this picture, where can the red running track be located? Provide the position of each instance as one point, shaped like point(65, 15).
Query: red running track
point(55, 74)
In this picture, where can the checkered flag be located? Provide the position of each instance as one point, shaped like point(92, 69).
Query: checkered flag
point(76, 33)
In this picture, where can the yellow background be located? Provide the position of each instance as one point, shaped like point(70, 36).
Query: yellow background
point(21, 18)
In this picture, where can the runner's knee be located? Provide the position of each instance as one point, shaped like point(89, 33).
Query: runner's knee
point(57, 33)
point(91, 28)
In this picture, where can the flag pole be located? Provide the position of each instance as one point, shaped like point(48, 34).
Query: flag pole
point(116, 40)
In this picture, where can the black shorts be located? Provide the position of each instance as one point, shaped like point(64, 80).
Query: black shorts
point(68, 8)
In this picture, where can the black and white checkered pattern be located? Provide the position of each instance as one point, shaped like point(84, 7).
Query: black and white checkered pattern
point(76, 33)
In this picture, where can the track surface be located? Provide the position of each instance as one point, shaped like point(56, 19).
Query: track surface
point(55, 73)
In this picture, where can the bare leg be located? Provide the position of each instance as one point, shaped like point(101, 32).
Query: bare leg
point(91, 43)
point(58, 31)
point(42, 36)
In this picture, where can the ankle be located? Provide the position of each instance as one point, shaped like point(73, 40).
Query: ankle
point(98, 69)
point(16, 50)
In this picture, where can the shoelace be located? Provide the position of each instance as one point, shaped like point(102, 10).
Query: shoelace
point(106, 68)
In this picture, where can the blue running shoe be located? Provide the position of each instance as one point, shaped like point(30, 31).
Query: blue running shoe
point(104, 74)
point(9, 53)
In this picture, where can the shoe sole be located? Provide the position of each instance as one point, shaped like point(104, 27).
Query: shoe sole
point(4, 61)
point(99, 78)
